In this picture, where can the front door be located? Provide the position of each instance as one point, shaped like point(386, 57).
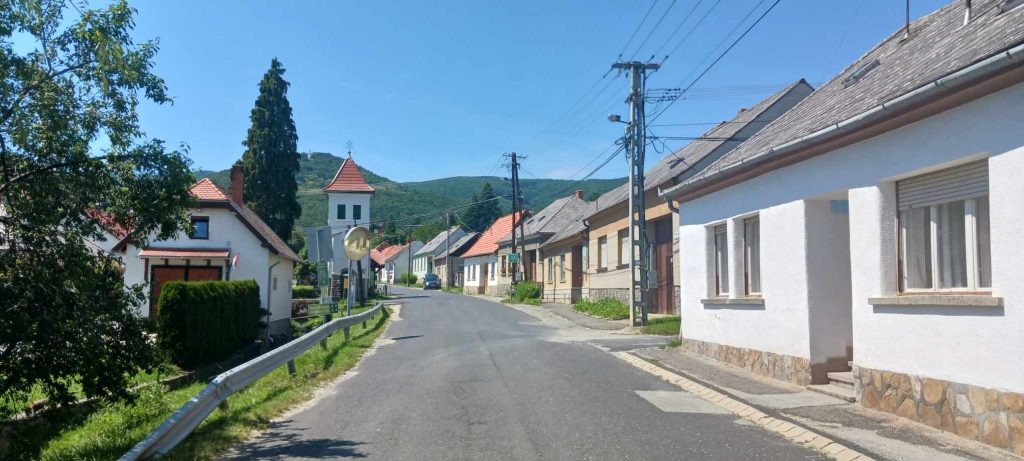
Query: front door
point(162, 275)
point(483, 278)
point(575, 293)
point(663, 255)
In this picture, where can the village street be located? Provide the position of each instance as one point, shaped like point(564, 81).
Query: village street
point(466, 378)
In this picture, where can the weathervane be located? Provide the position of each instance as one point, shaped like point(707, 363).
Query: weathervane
point(348, 144)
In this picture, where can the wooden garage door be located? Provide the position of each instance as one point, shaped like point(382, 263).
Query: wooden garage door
point(162, 275)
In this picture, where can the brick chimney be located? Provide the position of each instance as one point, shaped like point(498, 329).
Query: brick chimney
point(236, 184)
point(579, 194)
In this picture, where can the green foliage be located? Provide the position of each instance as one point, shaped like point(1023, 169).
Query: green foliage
point(70, 85)
point(271, 158)
point(303, 292)
point(483, 211)
point(426, 232)
point(608, 308)
point(662, 326)
point(201, 322)
point(673, 343)
point(527, 290)
point(407, 279)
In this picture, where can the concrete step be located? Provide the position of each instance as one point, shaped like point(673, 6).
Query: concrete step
point(833, 390)
point(841, 378)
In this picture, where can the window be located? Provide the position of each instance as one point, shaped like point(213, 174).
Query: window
point(200, 228)
point(357, 212)
point(752, 255)
point(586, 256)
point(602, 253)
point(504, 265)
point(491, 272)
point(341, 212)
point(275, 283)
point(551, 271)
point(721, 261)
point(561, 268)
point(944, 230)
point(624, 246)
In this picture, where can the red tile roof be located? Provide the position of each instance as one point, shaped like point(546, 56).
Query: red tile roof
point(383, 254)
point(107, 221)
point(206, 191)
point(488, 241)
point(184, 253)
point(348, 179)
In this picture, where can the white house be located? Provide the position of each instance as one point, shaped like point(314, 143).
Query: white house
point(480, 261)
point(230, 242)
point(877, 222)
point(348, 205)
point(423, 259)
point(396, 259)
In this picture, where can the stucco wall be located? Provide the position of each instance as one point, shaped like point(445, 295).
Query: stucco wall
point(966, 345)
point(339, 227)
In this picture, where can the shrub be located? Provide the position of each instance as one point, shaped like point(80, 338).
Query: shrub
point(201, 322)
point(526, 290)
point(608, 308)
point(303, 292)
point(407, 279)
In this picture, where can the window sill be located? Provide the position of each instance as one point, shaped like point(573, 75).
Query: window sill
point(924, 300)
point(621, 266)
point(736, 301)
point(602, 270)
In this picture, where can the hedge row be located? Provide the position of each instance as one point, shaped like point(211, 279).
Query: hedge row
point(201, 322)
point(303, 292)
point(526, 290)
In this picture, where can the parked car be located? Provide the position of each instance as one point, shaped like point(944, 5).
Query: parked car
point(431, 282)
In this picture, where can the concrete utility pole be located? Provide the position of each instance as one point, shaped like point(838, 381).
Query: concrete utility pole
point(513, 164)
point(636, 142)
point(448, 249)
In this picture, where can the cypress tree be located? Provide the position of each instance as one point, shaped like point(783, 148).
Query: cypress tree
point(271, 157)
point(484, 210)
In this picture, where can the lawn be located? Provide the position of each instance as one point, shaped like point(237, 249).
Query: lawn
point(662, 326)
point(607, 308)
point(108, 432)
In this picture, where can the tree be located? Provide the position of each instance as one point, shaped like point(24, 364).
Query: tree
point(69, 85)
point(593, 196)
point(483, 211)
point(271, 158)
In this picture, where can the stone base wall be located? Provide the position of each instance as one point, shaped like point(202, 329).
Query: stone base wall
point(622, 294)
point(977, 413)
point(796, 370)
point(562, 295)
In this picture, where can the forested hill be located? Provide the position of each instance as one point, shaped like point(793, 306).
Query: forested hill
point(394, 200)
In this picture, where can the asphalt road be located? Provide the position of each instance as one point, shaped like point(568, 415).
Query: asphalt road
point(467, 378)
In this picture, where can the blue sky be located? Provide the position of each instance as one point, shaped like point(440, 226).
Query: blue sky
point(428, 89)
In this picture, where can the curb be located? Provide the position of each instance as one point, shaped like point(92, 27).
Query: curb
point(797, 434)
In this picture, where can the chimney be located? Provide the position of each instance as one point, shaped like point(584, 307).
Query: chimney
point(579, 194)
point(236, 184)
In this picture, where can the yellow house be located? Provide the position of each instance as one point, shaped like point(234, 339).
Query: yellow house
point(608, 224)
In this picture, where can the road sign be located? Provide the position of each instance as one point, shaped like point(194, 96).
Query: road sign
point(319, 309)
point(357, 242)
point(318, 244)
point(513, 258)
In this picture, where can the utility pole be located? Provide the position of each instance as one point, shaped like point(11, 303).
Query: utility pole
point(513, 164)
point(408, 251)
point(448, 249)
point(636, 142)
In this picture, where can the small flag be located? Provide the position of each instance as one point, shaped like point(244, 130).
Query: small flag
point(234, 260)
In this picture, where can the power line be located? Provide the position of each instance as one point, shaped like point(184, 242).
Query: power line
point(653, 29)
point(638, 27)
point(719, 58)
point(678, 27)
point(694, 29)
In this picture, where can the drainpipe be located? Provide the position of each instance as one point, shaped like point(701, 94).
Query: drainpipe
point(668, 201)
point(270, 271)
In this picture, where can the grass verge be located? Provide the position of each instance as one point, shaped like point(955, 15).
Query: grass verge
point(673, 344)
point(607, 308)
point(528, 301)
point(108, 432)
point(662, 326)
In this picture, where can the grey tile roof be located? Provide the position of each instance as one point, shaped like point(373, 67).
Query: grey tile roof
point(939, 45)
point(575, 227)
point(435, 242)
point(559, 214)
point(459, 245)
point(726, 136)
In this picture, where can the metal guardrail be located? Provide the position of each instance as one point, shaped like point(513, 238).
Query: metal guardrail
point(180, 424)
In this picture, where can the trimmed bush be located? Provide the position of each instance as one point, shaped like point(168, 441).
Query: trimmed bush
point(201, 322)
point(407, 279)
point(526, 290)
point(303, 292)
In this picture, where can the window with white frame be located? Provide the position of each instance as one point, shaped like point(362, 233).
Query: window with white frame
point(944, 230)
point(561, 268)
point(551, 271)
point(721, 256)
point(752, 255)
point(624, 246)
point(602, 252)
point(585, 252)
point(491, 271)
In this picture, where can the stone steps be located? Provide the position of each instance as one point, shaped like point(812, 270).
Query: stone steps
point(834, 390)
point(841, 378)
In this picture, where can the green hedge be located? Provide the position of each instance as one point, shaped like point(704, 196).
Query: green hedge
point(407, 279)
point(201, 322)
point(526, 290)
point(303, 292)
point(607, 308)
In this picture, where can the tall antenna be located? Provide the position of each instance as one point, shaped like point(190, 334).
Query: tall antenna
point(906, 33)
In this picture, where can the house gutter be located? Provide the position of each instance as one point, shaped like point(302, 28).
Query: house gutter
point(978, 72)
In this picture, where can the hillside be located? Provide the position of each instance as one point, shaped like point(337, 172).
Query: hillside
point(395, 200)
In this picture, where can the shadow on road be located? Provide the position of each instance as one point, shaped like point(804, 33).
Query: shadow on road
point(406, 337)
point(275, 444)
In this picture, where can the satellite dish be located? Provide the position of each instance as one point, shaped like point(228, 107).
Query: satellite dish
point(357, 242)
